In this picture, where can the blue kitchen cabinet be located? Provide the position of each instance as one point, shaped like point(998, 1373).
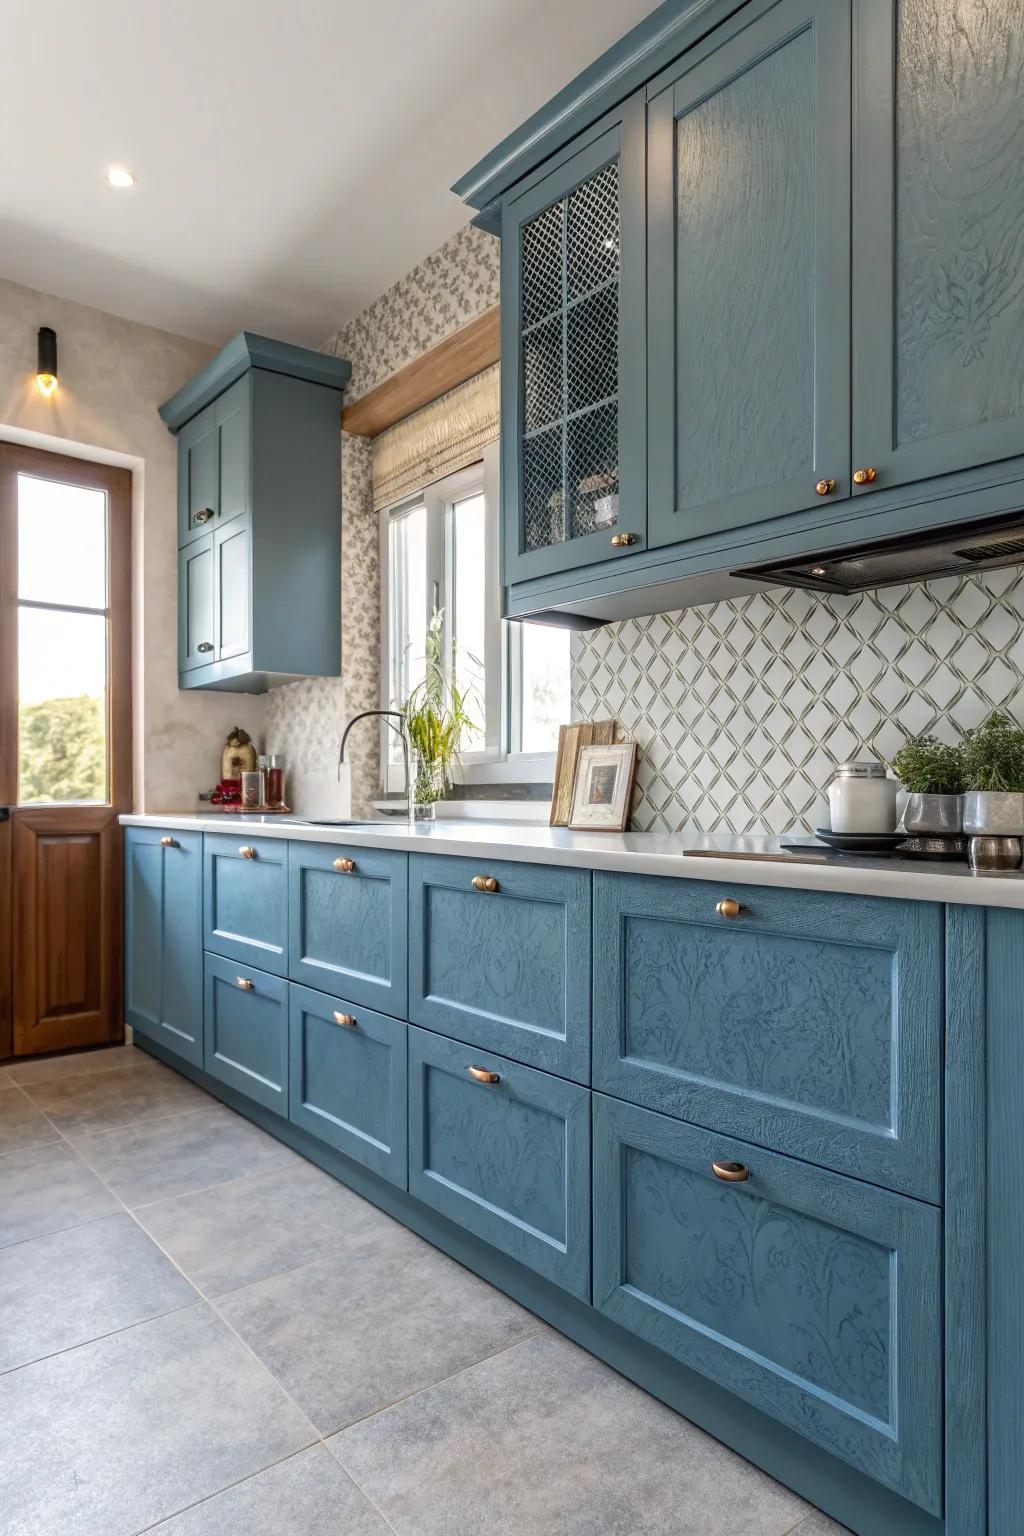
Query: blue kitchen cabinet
point(259, 528)
point(245, 902)
point(164, 939)
point(347, 1079)
point(748, 295)
point(814, 1297)
point(503, 1151)
point(246, 1031)
point(348, 921)
point(806, 1021)
point(499, 956)
point(572, 288)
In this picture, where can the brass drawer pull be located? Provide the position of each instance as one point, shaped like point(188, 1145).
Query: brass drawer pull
point(244, 983)
point(203, 515)
point(168, 842)
point(731, 1173)
point(348, 1019)
point(247, 851)
point(728, 908)
point(623, 540)
point(481, 1075)
point(824, 488)
point(865, 476)
point(485, 883)
point(344, 866)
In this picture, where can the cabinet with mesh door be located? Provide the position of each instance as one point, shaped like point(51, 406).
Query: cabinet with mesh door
point(573, 246)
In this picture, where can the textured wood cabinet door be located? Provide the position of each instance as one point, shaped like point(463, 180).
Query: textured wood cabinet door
point(814, 1297)
point(748, 291)
point(348, 921)
point(347, 1079)
point(503, 1151)
point(572, 351)
point(246, 1031)
point(233, 599)
point(938, 237)
point(164, 938)
point(245, 900)
point(198, 475)
point(197, 625)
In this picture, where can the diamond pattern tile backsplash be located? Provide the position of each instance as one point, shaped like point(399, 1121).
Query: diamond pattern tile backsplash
point(743, 708)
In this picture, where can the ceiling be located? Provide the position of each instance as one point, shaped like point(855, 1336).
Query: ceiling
point(293, 159)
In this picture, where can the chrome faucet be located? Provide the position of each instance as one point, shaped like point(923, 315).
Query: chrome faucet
point(390, 715)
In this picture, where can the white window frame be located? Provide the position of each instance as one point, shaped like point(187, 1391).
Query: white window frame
point(499, 761)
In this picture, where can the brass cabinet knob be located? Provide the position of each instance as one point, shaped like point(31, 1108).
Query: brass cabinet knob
point(247, 851)
point(205, 645)
point(728, 908)
point(865, 476)
point(485, 883)
point(731, 1173)
point(344, 866)
point(203, 515)
point(825, 487)
point(244, 983)
point(168, 842)
point(347, 1019)
point(623, 540)
point(481, 1075)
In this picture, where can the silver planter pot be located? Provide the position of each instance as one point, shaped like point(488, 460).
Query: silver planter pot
point(995, 813)
point(938, 814)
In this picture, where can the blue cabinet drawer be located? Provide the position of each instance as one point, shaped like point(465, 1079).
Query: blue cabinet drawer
point(808, 1022)
point(245, 901)
point(347, 1079)
point(506, 968)
point(246, 1031)
point(164, 938)
point(813, 1296)
point(508, 1158)
point(348, 922)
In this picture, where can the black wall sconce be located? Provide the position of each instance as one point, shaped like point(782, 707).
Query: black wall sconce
point(46, 361)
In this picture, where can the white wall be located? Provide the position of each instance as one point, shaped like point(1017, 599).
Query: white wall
point(113, 376)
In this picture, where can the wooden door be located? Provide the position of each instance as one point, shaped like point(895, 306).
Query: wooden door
point(573, 355)
point(65, 743)
point(938, 231)
point(748, 260)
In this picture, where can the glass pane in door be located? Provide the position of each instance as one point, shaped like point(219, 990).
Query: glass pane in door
point(469, 615)
point(62, 707)
point(62, 543)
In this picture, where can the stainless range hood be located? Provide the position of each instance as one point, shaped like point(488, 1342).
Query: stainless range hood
point(956, 550)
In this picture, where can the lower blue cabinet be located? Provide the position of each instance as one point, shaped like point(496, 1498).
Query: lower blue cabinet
point(245, 899)
point(164, 939)
point(348, 921)
point(347, 1080)
point(813, 1296)
point(246, 1044)
point(503, 1151)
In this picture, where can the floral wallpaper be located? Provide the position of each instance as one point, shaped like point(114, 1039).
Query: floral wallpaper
point(304, 720)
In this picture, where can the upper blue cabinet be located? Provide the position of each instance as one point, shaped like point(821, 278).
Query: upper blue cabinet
point(762, 297)
point(259, 516)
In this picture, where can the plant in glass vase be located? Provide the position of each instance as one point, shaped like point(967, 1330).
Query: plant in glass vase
point(993, 755)
point(436, 718)
point(932, 773)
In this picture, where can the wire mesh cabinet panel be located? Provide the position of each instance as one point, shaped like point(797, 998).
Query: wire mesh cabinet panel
point(573, 359)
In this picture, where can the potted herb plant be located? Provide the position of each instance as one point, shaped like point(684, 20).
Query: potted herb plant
point(435, 719)
point(993, 759)
point(932, 773)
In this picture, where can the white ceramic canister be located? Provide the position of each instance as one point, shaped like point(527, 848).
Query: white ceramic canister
point(862, 799)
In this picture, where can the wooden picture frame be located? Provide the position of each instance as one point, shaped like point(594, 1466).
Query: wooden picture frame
point(603, 792)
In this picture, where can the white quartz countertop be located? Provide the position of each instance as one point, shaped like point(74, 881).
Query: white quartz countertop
point(722, 860)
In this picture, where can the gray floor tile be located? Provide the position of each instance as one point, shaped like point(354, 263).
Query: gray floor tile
point(78, 1064)
point(546, 1439)
point(122, 1433)
point(308, 1495)
point(21, 1124)
point(102, 1101)
point(820, 1525)
point(46, 1189)
point(156, 1159)
point(70, 1287)
point(238, 1233)
point(355, 1331)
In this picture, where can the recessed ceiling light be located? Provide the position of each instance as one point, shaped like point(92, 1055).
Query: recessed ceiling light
point(119, 177)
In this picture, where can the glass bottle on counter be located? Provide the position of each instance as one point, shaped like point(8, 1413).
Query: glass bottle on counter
point(275, 782)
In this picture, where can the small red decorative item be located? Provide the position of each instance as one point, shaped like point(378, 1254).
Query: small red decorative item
point(227, 793)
